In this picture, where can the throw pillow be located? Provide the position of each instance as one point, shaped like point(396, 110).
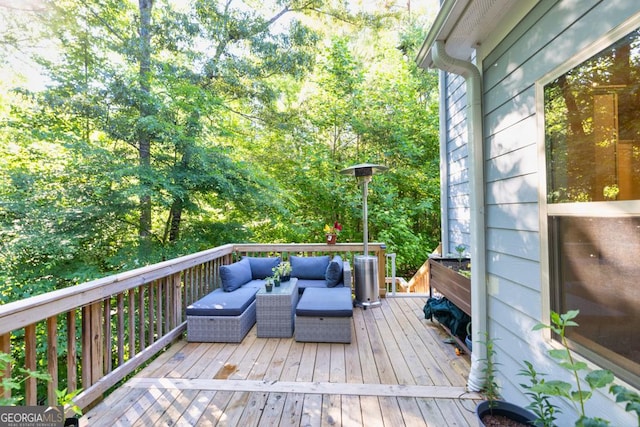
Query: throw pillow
point(309, 268)
point(235, 275)
point(333, 275)
point(261, 267)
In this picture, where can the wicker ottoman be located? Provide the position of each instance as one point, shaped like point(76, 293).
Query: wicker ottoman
point(222, 316)
point(324, 315)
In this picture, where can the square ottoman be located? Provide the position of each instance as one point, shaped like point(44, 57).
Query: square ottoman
point(222, 316)
point(324, 315)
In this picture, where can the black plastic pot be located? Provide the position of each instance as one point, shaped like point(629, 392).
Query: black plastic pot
point(506, 409)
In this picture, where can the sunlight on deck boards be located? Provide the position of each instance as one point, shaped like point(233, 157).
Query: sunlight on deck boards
point(396, 371)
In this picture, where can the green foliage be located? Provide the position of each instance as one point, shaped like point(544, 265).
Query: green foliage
point(14, 383)
point(250, 116)
point(490, 368)
point(19, 375)
point(575, 393)
point(540, 402)
point(631, 397)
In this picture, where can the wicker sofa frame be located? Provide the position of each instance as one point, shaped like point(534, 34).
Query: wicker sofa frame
point(231, 329)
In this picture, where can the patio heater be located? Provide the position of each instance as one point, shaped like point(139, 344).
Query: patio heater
point(365, 266)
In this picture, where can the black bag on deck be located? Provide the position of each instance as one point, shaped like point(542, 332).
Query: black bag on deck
point(447, 314)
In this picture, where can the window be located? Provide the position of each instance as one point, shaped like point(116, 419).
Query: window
point(592, 153)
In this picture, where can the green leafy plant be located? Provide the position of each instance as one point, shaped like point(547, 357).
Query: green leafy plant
point(491, 388)
point(14, 382)
point(632, 398)
point(21, 375)
point(460, 250)
point(576, 394)
point(66, 399)
point(283, 269)
point(540, 404)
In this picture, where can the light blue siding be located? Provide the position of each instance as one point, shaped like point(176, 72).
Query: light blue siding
point(456, 180)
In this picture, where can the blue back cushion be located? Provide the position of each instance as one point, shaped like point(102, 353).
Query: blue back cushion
point(334, 272)
point(312, 267)
point(235, 275)
point(261, 267)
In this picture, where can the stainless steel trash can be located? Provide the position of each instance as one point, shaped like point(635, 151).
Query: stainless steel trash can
point(366, 281)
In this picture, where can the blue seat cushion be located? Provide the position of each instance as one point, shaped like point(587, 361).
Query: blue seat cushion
point(262, 267)
point(311, 267)
point(221, 303)
point(333, 274)
point(235, 275)
point(329, 302)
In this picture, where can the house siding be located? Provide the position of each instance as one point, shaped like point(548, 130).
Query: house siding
point(551, 34)
point(455, 180)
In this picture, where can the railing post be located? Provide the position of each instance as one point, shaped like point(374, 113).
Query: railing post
point(382, 268)
point(92, 345)
point(177, 300)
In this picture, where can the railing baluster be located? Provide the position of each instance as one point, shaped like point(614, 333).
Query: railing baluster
point(166, 290)
point(141, 318)
point(97, 342)
point(52, 359)
point(153, 314)
point(177, 300)
point(72, 371)
point(5, 347)
point(31, 386)
point(107, 334)
point(120, 328)
point(131, 299)
point(159, 289)
point(86, 346)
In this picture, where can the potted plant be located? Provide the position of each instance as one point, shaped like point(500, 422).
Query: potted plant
point(494, 411)
point(283, 270)
point(332, 232)
point(268, 284)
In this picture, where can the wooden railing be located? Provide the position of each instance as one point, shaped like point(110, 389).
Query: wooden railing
point(103, 330)
point(419, 283)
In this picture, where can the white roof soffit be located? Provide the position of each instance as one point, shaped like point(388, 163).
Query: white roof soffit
point(463, 25)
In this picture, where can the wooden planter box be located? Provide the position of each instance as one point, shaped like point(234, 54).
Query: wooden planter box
point(455, 287)
point(444, 279)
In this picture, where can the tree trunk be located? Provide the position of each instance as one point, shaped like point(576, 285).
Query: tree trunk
point(176, 218)
point(144, 139)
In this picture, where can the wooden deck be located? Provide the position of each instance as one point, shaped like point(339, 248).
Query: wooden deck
point(397, 371)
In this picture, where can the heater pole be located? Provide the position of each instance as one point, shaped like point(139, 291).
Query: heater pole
point(365, 213)
point(367, 291)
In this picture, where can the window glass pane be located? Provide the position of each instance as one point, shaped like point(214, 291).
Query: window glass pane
point(598, 274)
point(592, 147)
point(592, 127)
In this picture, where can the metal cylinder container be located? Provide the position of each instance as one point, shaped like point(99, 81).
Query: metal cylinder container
point(366, 281)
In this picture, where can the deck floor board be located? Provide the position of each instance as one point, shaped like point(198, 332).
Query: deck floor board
point(397, 371)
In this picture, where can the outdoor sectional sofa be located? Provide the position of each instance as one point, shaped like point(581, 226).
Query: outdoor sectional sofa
point(229, 312)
